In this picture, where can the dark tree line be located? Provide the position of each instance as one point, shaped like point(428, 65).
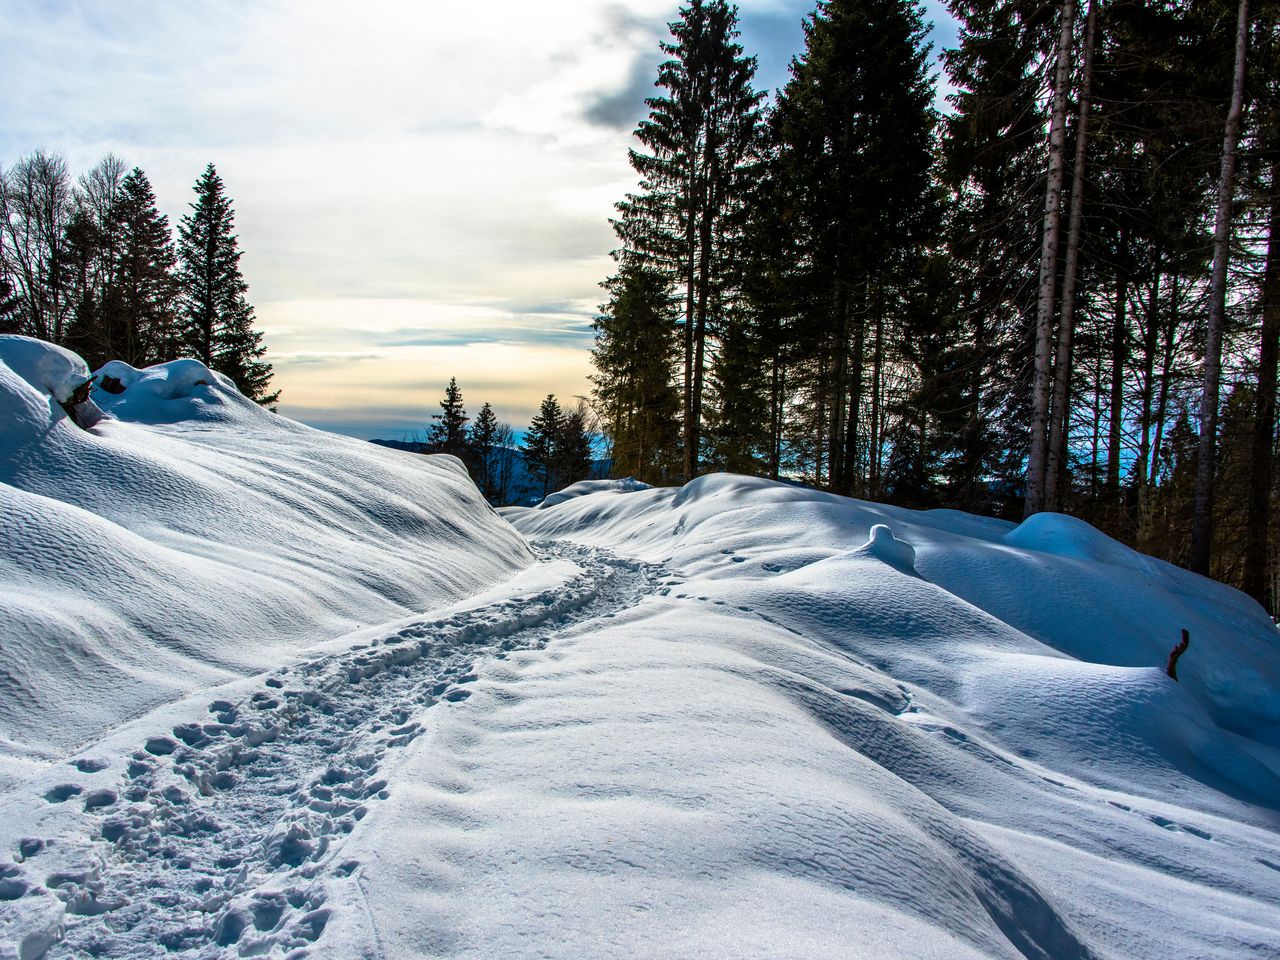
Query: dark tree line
point(93, 266)
point(556, 451)
point(1059, 293)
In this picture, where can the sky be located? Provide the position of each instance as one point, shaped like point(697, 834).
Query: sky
point(421, 191)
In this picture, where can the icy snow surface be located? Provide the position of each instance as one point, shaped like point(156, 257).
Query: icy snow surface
point(738, 719)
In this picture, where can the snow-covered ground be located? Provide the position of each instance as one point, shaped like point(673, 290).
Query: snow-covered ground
point(275, 693)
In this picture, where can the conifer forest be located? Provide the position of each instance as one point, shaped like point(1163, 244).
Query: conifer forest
point(1042, 276)
point(92, 264)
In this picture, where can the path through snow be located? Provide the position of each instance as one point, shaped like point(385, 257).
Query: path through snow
point(218, 836)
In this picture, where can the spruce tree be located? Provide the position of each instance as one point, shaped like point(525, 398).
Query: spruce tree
point(991, 162)
point(855, 154)
point(539, 449)
point(218, 320)
point(634, 390)
point(481, 449)
point(571, 447)
point(697, 148)
point(141, 314)
point(448, 434)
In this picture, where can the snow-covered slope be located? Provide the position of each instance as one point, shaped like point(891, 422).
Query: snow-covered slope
point(812, 740)
point(193, 536)
point(738, 719)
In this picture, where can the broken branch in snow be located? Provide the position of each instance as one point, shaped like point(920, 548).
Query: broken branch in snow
point(1171, 668)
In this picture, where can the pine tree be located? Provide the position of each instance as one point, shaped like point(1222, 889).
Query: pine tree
point(448, 434)
point(218, 320)
point(539, 449)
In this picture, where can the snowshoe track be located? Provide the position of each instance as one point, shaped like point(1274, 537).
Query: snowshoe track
point(215, 841)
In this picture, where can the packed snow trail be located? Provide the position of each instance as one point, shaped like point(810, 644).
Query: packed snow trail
point(215, 839)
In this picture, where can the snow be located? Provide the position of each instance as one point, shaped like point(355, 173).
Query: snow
point(193, 537)
point(328, 704)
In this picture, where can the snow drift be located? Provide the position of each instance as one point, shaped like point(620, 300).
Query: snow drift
point(193, 536)
point(737, 719)
point(844, 729)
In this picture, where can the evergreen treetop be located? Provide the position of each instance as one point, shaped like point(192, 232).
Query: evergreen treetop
point(448, 434)
point(217, 318)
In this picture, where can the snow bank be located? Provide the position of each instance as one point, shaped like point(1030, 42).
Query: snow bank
point(585, 487)
point(193, 536)
point(827, 732)
point(1052, 578)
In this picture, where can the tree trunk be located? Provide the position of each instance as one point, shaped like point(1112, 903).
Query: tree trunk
point(1115, 418)
point(690, 283)
point(775, 410)
point(877, 440)
point(852, 465)
point(1262, 461)
point(837, 374)
point(1060, 424)
point(1037, 461)
point(1149, 343)
point(1202, 515)
point(1166, 370)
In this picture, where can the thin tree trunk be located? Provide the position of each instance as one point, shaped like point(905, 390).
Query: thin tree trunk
point(1097, 427)
point(1202, 515)
point(1149, 343)
point(852, 486)
point(837, 373)
point(1262, 465)
point(691, 251)
point(1115, 419)
point(877, 362)
point(1059, 425)
point(1166, 368)
point(775, 410)
point(1037, 461)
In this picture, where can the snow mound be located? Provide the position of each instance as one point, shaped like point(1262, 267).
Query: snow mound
point(49, 369)
point(584, 487)
point(192, 537)
point(36, 378)
point(1071, 537)
point(882, 544)
point(835, 728)
point(183, 390)
point(1053, 586)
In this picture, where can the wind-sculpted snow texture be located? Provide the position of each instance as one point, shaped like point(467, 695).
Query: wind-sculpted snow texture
point(225, 834)
point(739, 719)
point(193, 536)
